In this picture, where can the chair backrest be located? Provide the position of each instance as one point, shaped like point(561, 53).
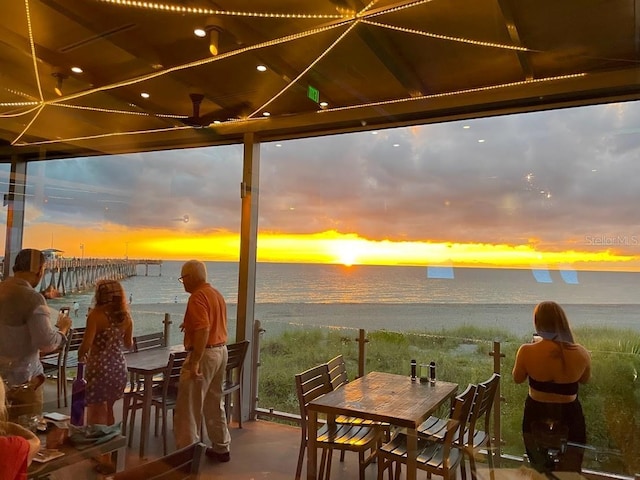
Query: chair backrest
point(460, 410)
point(171, 376)
point(150, 340)
point(182, 464)
point(311, 384)
point(464, 404)
point(484, 403)
point(235, 363)
point(73, 345)
point(337, 372)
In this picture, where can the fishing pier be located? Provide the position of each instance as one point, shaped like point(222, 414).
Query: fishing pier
point(68, 275)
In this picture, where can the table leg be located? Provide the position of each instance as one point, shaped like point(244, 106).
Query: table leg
point(312, 449)
point(412, 453)
point(121, 454)
point(146, 412)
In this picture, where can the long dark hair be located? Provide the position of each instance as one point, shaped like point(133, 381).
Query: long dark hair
point(110, 294)
point(551, 322)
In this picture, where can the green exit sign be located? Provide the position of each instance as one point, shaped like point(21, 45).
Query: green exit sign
point(313, 94)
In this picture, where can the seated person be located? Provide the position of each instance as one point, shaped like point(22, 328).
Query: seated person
point(18, 445)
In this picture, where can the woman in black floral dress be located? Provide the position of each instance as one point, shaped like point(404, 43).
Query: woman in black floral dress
point(109, 329)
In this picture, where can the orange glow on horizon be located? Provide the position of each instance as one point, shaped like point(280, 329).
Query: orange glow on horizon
point(331, 247)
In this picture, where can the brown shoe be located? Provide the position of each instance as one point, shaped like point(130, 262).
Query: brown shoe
point(217, 457)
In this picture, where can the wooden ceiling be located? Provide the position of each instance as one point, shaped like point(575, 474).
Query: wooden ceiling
point(378, 64)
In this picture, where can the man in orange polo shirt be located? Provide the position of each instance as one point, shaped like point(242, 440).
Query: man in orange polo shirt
point(202, 375)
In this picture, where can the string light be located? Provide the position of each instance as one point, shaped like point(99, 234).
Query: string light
point(32, 47)
point(18, 104)
point(457, 92)
point(208, 11)
point(447, 37)
point(295, 80)
point(197, 63)
point(103, 135)
point(395, 8)
point(19, 114)
point(344, 17)
point(368, 7)
point(38, 112)
point(119, 112)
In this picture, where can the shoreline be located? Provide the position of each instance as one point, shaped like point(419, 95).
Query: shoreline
point(516, 319)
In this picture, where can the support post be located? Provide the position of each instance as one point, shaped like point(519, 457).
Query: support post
point(249, 193)
point(167, 330)
point(255, 367)
point(497, 428)
point(362, 354)
point(14, 201)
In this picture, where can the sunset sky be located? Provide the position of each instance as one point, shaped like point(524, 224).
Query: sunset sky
point(552, 189)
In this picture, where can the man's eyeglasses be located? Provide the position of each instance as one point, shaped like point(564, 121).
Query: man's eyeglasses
point(181, 279)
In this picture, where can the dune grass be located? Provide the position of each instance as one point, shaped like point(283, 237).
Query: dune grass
point(611, 401)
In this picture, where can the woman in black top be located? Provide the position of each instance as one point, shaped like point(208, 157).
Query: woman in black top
point(554, 365)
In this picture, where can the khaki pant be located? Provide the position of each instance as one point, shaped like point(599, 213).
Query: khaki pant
point(203, 397)
point(26, 399)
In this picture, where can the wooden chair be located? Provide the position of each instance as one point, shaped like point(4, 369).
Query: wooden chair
point(338, 377)
point(436, 457)
point(184, 464)
point(474, 438)
point(150, 340)
point(433, 428)
point(62, 359)
point(71, 355)
point(310, 385)
point(52, 365)
point(132, 399)
point(233, 379)
point(166, 400)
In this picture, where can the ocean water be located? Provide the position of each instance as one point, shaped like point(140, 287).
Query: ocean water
point(404, 298)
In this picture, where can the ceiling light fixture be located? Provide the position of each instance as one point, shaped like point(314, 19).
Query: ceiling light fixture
point(76, 70)
point(214, 27)
point(59, 76)
point(145, 95)
point(261, 68)
point(200, 32)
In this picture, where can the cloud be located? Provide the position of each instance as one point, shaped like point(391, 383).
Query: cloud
point(550, 178)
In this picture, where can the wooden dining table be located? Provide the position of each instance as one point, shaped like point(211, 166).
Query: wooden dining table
point(147, 364)
point(73, 455)
point(382, 397)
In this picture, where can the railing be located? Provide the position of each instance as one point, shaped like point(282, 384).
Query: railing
point(497, 355)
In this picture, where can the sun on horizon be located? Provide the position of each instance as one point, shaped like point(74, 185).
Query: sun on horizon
point(330, 247)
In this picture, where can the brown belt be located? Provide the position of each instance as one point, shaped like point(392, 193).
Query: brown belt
point(190, 349)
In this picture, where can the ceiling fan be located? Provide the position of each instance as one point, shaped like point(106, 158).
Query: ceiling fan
point(202, 121)
point(196, 120)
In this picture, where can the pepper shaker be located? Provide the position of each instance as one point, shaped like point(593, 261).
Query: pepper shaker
point(414, 365)
point(432, 373)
